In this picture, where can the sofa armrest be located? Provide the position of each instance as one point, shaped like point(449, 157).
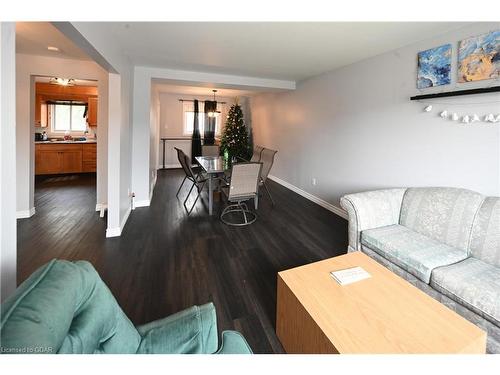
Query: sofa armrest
point(371, 209)
point(190, 331)
point(234, 343)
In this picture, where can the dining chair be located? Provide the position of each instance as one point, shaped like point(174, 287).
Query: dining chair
point(210, 150)
point(243, 186)
point(267, 160)
point(257, 151)
point(199, 180)
point(181, 156)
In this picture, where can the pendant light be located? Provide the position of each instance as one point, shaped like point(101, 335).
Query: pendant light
point(62, 81)
point(214, 112)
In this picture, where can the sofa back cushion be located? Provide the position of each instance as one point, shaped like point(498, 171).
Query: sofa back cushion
point(65, 307)
point(445, 214)
point(485, 244)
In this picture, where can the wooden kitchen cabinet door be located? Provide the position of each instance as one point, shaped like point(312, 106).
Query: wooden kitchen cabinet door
point(48, 162)
point(71, 161)
point(41, 111)
point(92, 111)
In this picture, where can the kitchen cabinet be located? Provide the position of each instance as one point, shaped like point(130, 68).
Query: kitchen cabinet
point(41, 111)
point(92, 111)
point(57, 158)
point(45, 92)
point(89, 157)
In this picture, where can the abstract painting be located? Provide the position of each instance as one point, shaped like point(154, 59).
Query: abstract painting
point(479, 57)
point(434, 67)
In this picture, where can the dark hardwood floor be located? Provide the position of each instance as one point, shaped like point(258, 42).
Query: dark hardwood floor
point(166, 261)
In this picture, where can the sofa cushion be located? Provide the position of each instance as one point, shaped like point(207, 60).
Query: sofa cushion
point(412, 251)
point(444, 214)
point(65, 307)
point(472, 283)
point(485, 243)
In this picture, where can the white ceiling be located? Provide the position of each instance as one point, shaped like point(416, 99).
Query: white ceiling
point(33, 38)
point(279, 50)
point(291, 51)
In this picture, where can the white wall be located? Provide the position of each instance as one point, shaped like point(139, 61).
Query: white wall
point(27, 67)
point(8, 229)
point(154, 139)
point(355, 129)
point(141, 138)
point(100, 45)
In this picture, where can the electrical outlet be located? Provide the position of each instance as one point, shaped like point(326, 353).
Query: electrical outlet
point(313, 181)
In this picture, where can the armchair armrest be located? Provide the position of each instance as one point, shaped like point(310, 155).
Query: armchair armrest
point(190, 331)
point(371, 209)
point(234, 343)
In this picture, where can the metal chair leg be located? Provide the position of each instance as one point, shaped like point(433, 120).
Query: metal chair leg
point(197, 196)
point(268, 193)
point(180, 187)
point(188, 194)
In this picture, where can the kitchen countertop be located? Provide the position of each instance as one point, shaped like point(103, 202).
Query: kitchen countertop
point(66, 142)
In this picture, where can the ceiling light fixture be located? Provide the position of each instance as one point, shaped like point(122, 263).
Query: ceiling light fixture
point(62, 81)
point(214, 112)
point(52, 48)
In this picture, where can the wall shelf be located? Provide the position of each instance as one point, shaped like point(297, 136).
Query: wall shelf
point(457, 93)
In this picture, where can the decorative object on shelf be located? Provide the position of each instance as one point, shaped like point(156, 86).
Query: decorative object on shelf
point(62, 81)
point(428, 108)
point(444, 114)
point(466, 119)
point(434, 67)
point(474, 118)
point(454, 116)
point(479, 57)
point(234, 142)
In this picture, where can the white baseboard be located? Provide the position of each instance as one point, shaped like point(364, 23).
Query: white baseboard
point(173, 166)
point(25, 213)
point(330, 207)
point(100, 206)
point(142, 203)
point(115, 232)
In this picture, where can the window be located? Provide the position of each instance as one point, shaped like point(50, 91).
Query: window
point(188, 108)
point(68, 117)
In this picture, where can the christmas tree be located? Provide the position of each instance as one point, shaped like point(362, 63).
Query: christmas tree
point(234, 142)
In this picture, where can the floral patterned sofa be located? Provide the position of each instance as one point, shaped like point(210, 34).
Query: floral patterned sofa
point(445, 241)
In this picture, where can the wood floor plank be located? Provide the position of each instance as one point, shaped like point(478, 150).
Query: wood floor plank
point(166, 261)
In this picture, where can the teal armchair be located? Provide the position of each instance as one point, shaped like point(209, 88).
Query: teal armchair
point(65, 307)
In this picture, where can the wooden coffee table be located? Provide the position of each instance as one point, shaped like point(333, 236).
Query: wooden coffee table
point(382, 314)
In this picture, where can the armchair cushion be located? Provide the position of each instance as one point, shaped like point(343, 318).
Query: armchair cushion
point(371, 209)
point(473, 283)
point(412, 251)
point(64, 307)
point(191, 331)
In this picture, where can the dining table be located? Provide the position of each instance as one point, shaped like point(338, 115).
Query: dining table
point(213, 166)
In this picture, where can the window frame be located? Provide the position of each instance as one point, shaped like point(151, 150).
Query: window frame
point(53, 119)
point(189, 108)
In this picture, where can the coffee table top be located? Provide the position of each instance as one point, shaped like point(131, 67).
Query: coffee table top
point(382, 314)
